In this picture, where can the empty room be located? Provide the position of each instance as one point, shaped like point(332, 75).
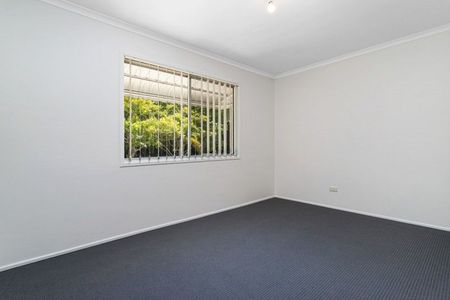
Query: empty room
point(284, 149)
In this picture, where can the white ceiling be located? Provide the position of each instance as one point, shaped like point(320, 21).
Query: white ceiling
point(299, 33)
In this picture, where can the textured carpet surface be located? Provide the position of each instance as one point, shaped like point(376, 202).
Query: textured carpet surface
point(275, 249)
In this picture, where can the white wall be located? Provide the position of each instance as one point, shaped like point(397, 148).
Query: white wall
point(60, 181)
point(377, 126)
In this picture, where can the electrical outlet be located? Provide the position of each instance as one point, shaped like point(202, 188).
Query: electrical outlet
point(334, 189)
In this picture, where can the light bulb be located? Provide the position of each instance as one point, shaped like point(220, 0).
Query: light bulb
point(271, 7)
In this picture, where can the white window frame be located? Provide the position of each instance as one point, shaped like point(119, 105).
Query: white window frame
point(178, 160)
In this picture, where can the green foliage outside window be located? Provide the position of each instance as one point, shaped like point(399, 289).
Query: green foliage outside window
point(156, 128)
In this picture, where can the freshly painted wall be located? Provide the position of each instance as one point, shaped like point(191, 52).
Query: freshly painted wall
point(60, 181)
point(377, 126)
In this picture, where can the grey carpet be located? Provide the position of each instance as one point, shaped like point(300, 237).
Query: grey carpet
point(275, 249)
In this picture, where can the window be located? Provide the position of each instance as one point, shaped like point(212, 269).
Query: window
point(176, 116)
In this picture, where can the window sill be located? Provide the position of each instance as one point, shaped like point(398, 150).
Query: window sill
point(170, 161)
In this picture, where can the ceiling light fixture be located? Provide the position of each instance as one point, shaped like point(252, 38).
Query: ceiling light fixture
point(271, 7)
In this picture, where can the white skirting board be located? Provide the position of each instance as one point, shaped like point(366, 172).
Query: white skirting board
point(124, 235)
point(364, 213)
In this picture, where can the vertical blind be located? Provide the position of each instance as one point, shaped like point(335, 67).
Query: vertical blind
point(171, 115)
